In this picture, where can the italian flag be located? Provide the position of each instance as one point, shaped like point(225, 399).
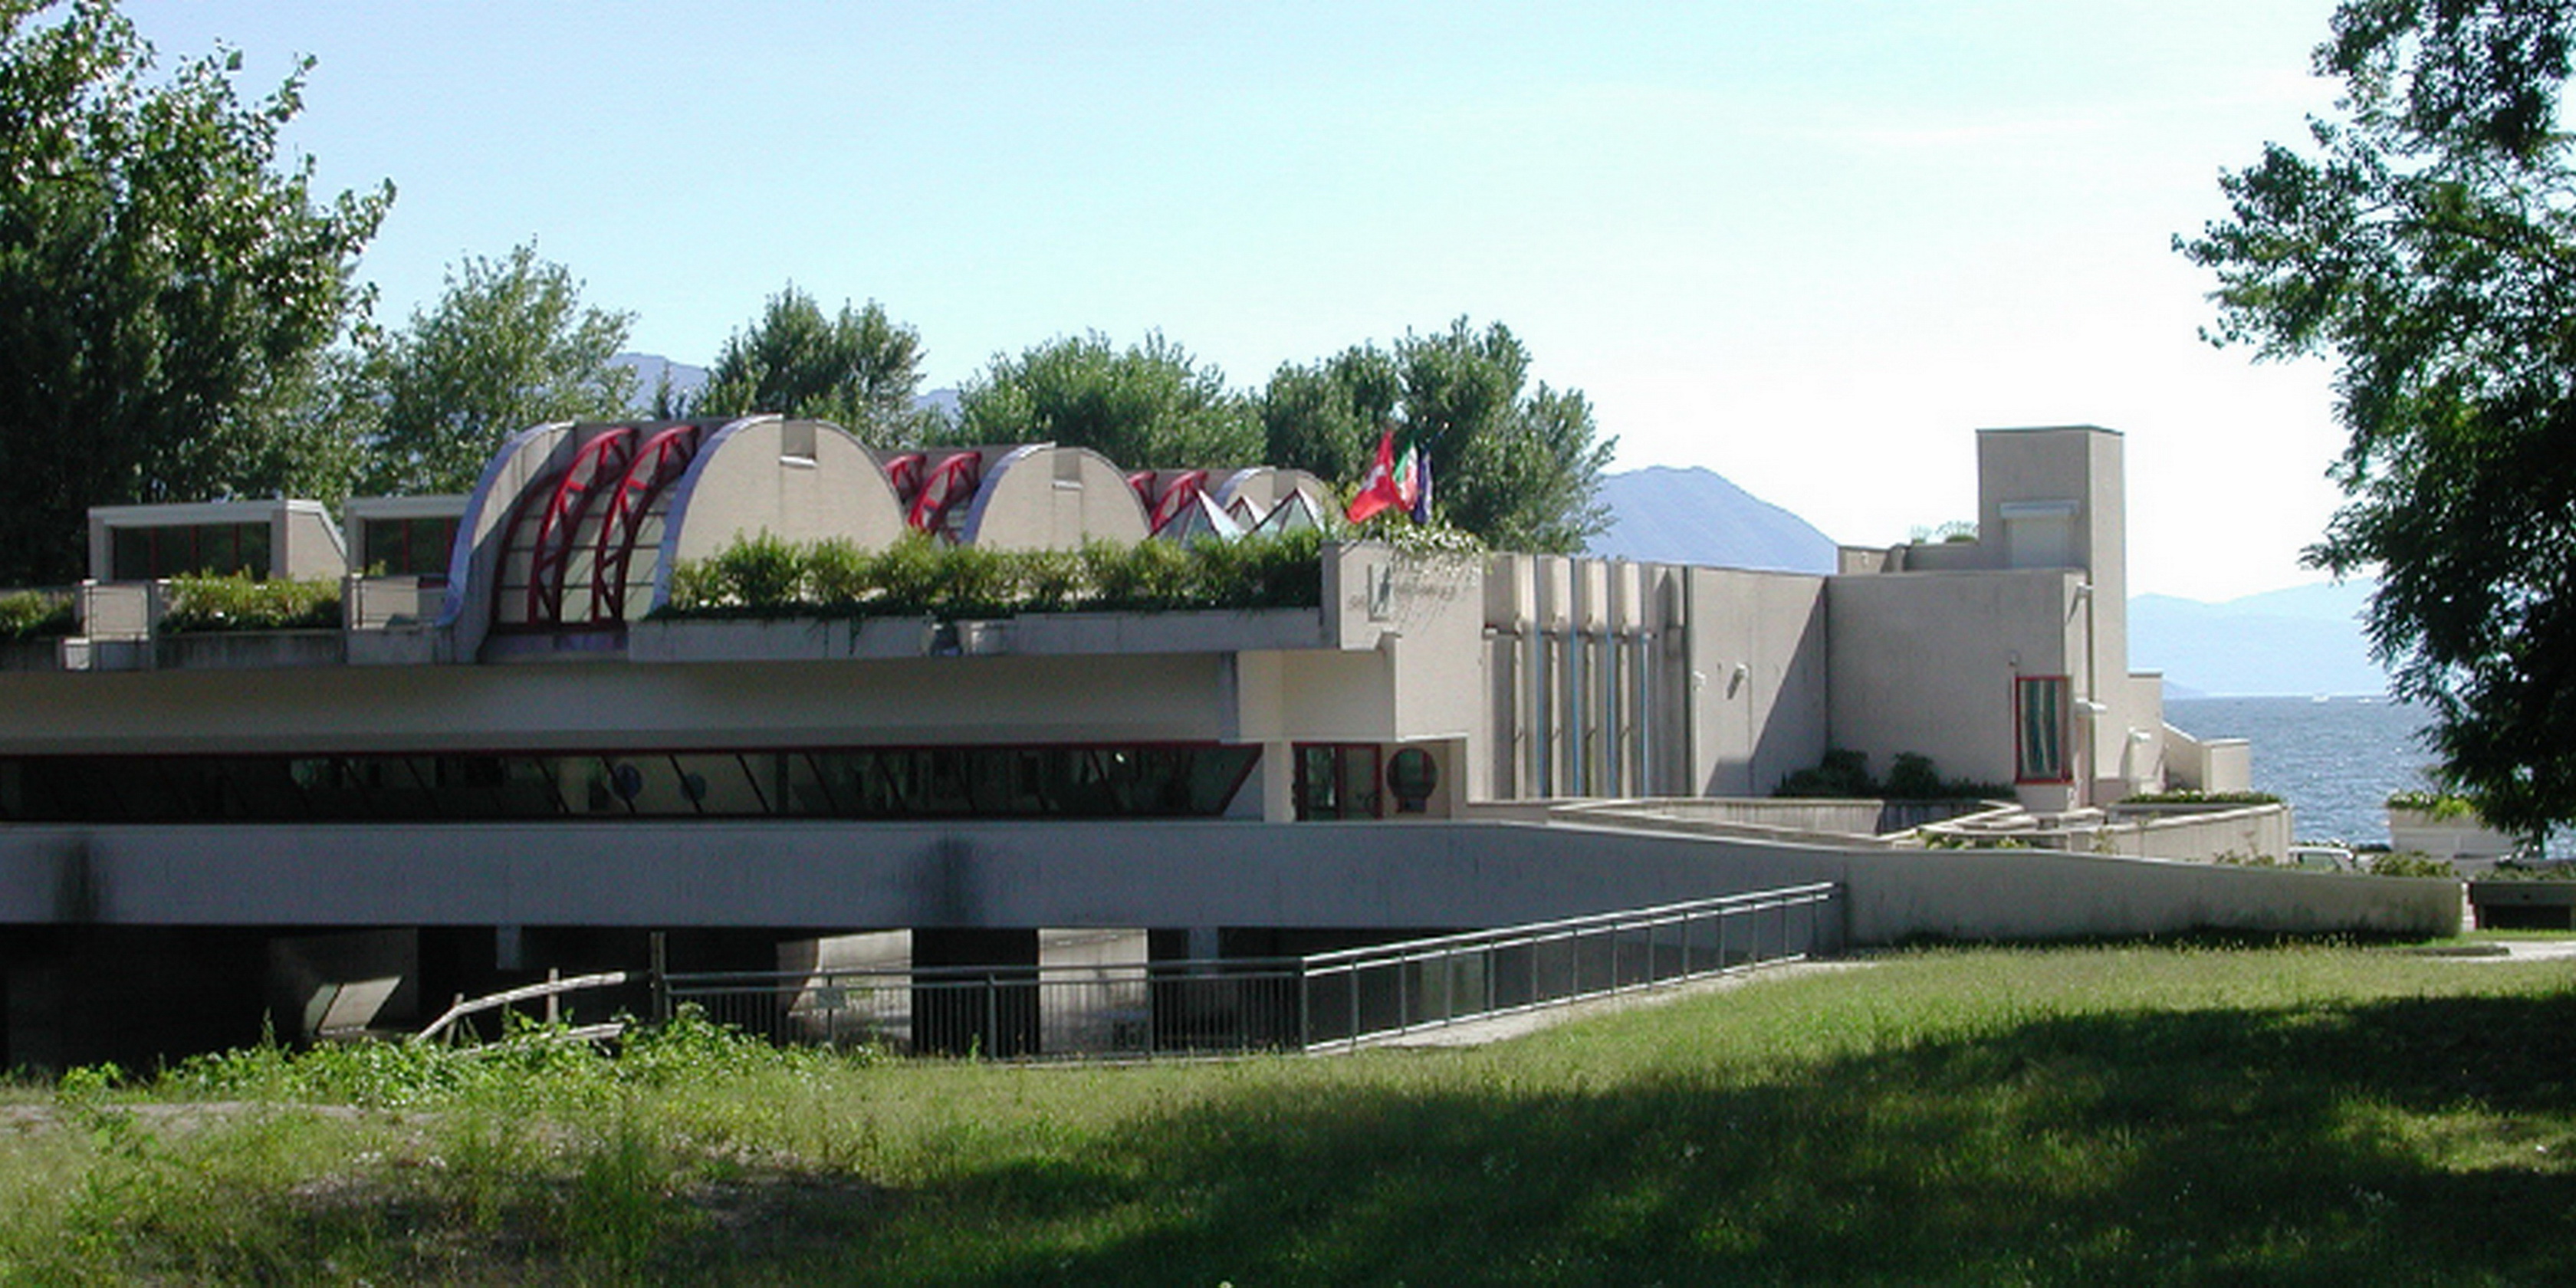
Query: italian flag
point(1400, 480)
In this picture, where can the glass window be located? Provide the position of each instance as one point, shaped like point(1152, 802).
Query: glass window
point(409, 547)
point(1057, 781)
point(188, 550)
point(1337, 780)
point(2042, 703)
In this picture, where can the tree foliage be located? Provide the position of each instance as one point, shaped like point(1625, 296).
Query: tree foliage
point(1326, 417)
point(1150, 406)
point(509, 344)
point(167, 290)
point(1520, 467)
point(2422, 240)
point(860, 370)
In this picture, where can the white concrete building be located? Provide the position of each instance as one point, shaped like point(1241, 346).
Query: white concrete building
point(505, 760)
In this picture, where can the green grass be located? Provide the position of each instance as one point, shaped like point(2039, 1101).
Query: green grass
point(2108, 1115)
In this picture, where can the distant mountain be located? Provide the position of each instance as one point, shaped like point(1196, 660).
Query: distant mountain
point(1667, 515)
point(942, 401)
point(2306, 640)
point(650, 368)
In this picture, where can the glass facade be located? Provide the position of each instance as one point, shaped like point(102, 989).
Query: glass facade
point(188, 550)
point(1051, 781)
point(409, 547)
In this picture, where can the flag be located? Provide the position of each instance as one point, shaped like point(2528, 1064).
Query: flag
point(1400, 479)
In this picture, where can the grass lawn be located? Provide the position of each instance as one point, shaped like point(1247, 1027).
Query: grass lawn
point(2304, 1115)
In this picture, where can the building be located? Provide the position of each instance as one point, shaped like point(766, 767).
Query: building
point(502, 760)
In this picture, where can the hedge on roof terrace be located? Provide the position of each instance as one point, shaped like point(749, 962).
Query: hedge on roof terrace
point(766, 576)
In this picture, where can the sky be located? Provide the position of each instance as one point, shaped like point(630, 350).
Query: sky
point(1809, 246)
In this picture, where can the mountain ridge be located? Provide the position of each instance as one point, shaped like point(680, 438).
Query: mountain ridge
point(1677, 514)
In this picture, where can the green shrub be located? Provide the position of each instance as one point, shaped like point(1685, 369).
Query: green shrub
point(2407, 865)
point(1051, 581)
point(2189, 797)
point(838, 572)
point(919, 576)
point(765, 569)
point(36, 615)
point(977, 582)
point(910, 577)
point(2525, 870)
point(1144, 576)
point(1844, 774)
point(239, 603)
point(2436, 805)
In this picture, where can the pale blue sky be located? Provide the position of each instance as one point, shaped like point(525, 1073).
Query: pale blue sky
point(1809, 246)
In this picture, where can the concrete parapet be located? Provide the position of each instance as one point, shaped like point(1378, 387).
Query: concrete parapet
point(1350, 876)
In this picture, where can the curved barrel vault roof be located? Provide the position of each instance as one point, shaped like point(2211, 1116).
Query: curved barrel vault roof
point(577, 528)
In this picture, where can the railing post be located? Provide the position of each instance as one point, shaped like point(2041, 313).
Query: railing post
point(660, 966)
point(1305, 1004)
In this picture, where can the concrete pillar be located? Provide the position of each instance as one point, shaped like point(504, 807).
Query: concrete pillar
point(1278, 782)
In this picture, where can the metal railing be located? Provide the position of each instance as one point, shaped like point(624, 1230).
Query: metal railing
point(1364, 994)
point(1320, 1002)
point(1013, 1012)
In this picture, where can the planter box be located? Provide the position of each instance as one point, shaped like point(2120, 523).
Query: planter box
point(1183, 631)
point(250, 650)
point(31, 655)
point(807, 639)
point(777, 639)
point(2460, 837)
point(2524, 905)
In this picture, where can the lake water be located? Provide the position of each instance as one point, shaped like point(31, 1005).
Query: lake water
point(2335, 760)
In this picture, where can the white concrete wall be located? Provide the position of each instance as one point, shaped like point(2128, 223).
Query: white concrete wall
point(1925, 662)
point(2215, 765)
point(482, 708)
point(1042, 497)
point(306, 545)
point(1758, 685)
point(799, 481)
point(840, 876)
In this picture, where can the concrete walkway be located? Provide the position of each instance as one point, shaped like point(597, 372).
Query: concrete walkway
point(1497, 1028)
point(2506, 950)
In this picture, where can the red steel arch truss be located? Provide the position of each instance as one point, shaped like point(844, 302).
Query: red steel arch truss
point(657, 464)
point(589, 519)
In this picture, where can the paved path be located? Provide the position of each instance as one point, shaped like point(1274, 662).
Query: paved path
point(2507, 950)
point(1480, 1032)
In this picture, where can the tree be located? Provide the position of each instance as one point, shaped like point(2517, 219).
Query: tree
point(1326, 418)
point(1518, 467)
point(509, 344)
point(860, 370)
point(1521, 470)
point(2426, 243)
point(166, 291)
point(1150, 407)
